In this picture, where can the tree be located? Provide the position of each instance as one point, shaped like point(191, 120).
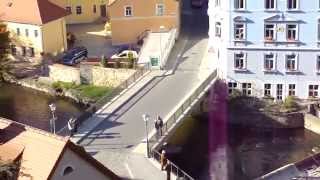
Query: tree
point(4, 50)
point(8, 170)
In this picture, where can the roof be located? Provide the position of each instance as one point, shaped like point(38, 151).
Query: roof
point(37, 12)
point(41, 151)
point(111, 2)
point(281, 18)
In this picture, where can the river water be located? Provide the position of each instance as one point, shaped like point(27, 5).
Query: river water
point(247, 154)
point(31, 107)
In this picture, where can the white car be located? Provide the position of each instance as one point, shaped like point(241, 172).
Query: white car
point(125, 55)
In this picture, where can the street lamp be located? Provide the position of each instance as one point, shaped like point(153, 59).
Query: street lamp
point(161, 30)
point(53, 108)
point(146, 118)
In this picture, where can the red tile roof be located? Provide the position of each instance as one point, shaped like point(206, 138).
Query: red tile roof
point(36, 12)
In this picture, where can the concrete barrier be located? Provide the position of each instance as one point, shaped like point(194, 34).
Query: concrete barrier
point(312, 123)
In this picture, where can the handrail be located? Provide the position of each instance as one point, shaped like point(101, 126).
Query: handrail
point(107, 98)
point(168, 124)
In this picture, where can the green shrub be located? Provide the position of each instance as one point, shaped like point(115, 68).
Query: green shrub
point(290, 103)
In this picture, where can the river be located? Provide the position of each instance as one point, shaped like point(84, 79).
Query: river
point(31, 107)
point(248, 153)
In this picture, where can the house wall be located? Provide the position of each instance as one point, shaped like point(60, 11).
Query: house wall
point(307, 49)
point(54, 36)
point(127, 29)
point(82, 169)
point(87, 15)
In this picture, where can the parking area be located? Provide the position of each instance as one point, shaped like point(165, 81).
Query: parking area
point(94, 38)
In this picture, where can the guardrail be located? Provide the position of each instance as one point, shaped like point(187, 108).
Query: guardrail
point(140, 71)
point(172, 120)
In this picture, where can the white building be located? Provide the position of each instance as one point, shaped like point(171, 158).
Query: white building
point(267, 47)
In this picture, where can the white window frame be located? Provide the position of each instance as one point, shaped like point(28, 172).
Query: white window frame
point(235, 30)
point(296, 62)
point(296, 38)
point(244, 61)
point(297, 5)
point(36, 33)
point(125, 11)
point(157, 9)
point(268, 38)
point(217, 3)
point(217, 28)
point(279, 91)
point(314, 91)
point(273, 59)
point(267, 91)
point(246, 91)
point(269, 1)
point(237, 4)
point(292, 91)
point(232, 88)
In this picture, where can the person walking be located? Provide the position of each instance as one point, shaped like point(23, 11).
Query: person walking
point(156, 125)
point(168, 170)
point(163, 160)
point(160, 124)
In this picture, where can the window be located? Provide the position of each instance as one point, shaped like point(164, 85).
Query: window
point(67, 170)
point(292, 4)
point(36, 34)
point(292, 32)
point(232, 87)
point(94, 8)
point(217, 3)
point(279, 91)
point(78, 10)
point(160, 9)
point(239, 31)
point(269, 62)
point(267, 90)
point(24, 50)
point(239, 61)
point(291, 62)
point(292, 90)
point(240, 4)
point(68, 9)
point(246, 89)
point(319, 29)
point(27, 32)
point(318, 64)
point(18, 31)
point(313, 90)
point(218, 29)
point(13, 49)
point(269, 32)
point(128, 11)
point(31, 51)
point(270, 4)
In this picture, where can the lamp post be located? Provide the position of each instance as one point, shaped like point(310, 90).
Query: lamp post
point(146, 118)
point(53, 108)
point(161, 28)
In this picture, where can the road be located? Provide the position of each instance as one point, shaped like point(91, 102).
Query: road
point(112, 141)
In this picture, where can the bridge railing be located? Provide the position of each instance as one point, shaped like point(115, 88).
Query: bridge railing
point(172, 120)
point(140, 71)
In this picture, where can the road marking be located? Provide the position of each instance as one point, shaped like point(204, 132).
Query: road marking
point(129, 170)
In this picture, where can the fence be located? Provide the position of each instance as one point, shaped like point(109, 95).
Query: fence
point(104, 100)
point(172, 120)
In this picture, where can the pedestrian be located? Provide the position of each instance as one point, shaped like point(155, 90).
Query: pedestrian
point(72, 126)
point(168, 170)
point(163, 160)
point(160, 124)
point(156, 125)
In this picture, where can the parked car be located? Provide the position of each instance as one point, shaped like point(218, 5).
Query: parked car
point(125, 55)
point(75, 55)
point(197, 3)
point(127, 47)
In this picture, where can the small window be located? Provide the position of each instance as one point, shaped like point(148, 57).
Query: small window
point(239, 31)
point(292, 4)
point(128, 11)
point(232, 87)
point(292, 32)
point(267, 90)
point(240, 4)
point(78, 10)
point(31, 51)
point(292, 90)
point(313, 90)
point(269, 62)
point(246, 89)
point(218, 29)
point(36, 34)
point(94, 8)
point(269, 32)
point(279, 91)
point(18, 31)
point(67, 170)
point(239, 61)
point(13, 50)
point(270, 4)
point(68, 9)
point(217, 3)
point(24, 51)
point(160, 9)
point(27, 32)
point(291, 62)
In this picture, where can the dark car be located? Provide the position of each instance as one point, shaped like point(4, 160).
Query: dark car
point(197, 3)
point(74, 55)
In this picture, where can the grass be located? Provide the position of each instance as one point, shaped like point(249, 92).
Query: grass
point(88, 91)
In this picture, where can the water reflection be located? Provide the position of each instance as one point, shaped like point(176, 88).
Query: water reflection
point(31, 107)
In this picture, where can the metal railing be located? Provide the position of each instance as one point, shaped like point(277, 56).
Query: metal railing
point(140, 71)
point(172, 120)
point(180, 174)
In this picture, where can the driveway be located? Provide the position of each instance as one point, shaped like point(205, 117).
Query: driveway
point(94, 38)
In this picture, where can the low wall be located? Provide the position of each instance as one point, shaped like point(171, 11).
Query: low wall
point(58, 72)
point(312, 123)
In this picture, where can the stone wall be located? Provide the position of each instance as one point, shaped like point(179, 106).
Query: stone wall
point(100, 76)
point(58, 72)
point(312, 123)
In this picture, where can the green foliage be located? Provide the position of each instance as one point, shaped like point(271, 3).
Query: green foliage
point(4, 51)
point(131, 60)
point(8, 170)
point(64, 85)
point(93, 92)
point(290, 103)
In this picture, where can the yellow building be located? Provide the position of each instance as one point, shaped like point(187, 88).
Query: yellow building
point(83, 11)
point(131, 18)
point(36, 27)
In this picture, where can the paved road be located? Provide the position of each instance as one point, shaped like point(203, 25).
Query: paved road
point(112, 141)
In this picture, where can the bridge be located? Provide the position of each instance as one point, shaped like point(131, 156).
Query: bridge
point(116, 136)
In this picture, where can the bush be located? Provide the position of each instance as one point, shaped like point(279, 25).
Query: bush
point(103, 61)
point(290, 103)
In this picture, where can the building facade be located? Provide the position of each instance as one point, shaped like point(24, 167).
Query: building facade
point(131, 18)
point(83, 11)
point(267, 48)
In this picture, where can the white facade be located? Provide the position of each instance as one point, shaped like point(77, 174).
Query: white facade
point(267, 47)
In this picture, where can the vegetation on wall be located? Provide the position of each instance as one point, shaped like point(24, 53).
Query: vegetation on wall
point(4, 51)
point(8, 170)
